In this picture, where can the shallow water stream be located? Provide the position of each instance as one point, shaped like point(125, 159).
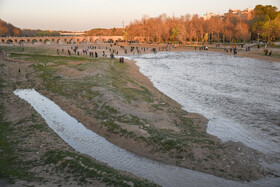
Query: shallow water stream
point(239, 96)
point(87, 142)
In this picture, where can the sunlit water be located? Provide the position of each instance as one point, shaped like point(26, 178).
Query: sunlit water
point(88, 142)
point(239, 96)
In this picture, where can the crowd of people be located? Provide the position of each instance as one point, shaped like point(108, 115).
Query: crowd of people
point(113, 50)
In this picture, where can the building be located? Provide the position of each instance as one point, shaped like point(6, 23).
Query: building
point(246, 14)
point(208, 15)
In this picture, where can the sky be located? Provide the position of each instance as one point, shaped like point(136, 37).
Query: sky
point(82, 15)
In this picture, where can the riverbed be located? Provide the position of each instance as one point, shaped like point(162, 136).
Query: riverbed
point(88, 142)
point(240, 96)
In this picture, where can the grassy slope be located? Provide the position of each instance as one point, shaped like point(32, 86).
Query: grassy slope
point(62, 167)
point(113, 77)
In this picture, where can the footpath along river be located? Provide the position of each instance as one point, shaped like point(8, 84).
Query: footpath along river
point(87, 142)
point(239, 96)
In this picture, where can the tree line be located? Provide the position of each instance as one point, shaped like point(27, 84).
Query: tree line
point(263, 25)
point(7, 29)
point(105, 32)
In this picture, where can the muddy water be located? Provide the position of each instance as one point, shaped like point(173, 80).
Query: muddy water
point(87, 142)
point(239, 96)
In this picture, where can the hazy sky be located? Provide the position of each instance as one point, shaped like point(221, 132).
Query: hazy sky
point(80, 15)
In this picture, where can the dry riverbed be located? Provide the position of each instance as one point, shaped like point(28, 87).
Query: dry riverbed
point(114, 100)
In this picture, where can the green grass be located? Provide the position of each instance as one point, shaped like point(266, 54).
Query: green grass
point(168, 140)
point(157, 106)
point(120, 80)
point(11, 166)
point(136, 94)
point(40, 127)
point(113, 73)
point(2, 82)
point(47, 58)
point(25, 49)
point(275, 55)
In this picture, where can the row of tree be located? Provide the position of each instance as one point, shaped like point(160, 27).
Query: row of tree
point(105, 32)
point(37, 32)
point(7, 29)
point(264, 24)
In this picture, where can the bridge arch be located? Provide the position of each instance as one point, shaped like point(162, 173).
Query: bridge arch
point(98, 40)
point(34, 41)
point(47, 41)
point(84, 40)
point(59, 41)
point(62, 39)
point(9, 41)
point(22, 41)
point(71, 41)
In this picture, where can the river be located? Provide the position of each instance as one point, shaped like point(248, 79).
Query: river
point(240, 96)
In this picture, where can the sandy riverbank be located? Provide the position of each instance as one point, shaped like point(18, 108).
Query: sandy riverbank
point(108, 48)
point(151, 117)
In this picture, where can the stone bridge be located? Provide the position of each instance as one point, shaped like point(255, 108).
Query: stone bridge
point(60, 39)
